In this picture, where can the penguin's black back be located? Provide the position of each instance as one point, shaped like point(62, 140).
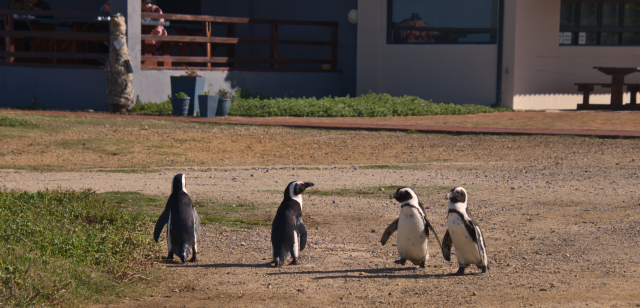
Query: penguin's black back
point(182, 225)
point(283, 226)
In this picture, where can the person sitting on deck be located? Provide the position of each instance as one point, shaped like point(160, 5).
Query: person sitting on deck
point(149, 7)
point(414, 36)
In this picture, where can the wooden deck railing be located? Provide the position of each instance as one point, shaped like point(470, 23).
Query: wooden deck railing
point(29, 37)
point(190, 41)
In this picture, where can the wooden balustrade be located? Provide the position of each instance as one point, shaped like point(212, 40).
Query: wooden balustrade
point(190, 45)
point(36, 43)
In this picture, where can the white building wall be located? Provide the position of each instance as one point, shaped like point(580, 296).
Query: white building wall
point(541, 72)
point(464, 74)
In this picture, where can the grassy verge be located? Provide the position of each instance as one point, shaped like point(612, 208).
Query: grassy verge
point(70, 249)
point(369, 105)
point(162, 108)
point(235, 215)
point(15, 122)
point(246, 103)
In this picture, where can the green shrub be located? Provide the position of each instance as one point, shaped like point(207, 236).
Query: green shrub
point(9, 121)
point(162, 108)
point(76, 243)
point(180, 95)
point(367, 105)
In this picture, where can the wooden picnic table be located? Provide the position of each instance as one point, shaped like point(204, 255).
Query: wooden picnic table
point(617, 82)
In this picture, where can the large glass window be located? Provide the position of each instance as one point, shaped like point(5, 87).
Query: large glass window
point(442, 21)
point(600, 22)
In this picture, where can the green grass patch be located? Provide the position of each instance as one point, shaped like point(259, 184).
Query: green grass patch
point(15, 122)
point(366, 105)
point(240, 215)
point(127, 170)
point(108, 146)
point(379, 191)
point(79, 249)
point(150, 108)
point(44, 168)
point(384, 167)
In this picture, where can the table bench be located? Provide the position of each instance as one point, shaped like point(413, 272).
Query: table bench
point(587, 88)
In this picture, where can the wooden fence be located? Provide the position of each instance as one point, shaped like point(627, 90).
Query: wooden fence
point(30, 37)
point(189, 53)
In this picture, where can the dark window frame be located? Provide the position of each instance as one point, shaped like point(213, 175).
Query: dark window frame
point(390, 31)
point(621, 29)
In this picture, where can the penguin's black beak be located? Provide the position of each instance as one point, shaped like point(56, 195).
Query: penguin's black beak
point(307, 185)
point(393, 196)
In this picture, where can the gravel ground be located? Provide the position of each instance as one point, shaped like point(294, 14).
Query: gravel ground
point(561, 218)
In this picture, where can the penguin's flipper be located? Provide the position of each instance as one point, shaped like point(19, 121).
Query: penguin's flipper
point(393, 227)
point(428, 225)
point(196, 223)
point(479, 242)
point(447, 243)
point(302, 230)
point(163, 220)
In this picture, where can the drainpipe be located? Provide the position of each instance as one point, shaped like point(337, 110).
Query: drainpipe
point(498, 102)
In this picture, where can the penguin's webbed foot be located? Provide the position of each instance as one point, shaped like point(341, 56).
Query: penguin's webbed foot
point(193, 259)
point(422, 266)
point(168, 257)
point(484, 270)
point(400, 261)
point(460, 271)
point(295, 262)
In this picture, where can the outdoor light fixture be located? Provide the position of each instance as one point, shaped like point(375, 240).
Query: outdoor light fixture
point(353, 16)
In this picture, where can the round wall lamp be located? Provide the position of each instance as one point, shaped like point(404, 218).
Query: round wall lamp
point(353, 16)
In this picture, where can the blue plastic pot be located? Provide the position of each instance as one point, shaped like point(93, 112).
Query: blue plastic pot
point(208, 105)
point(191, 87)
point(180, 106)
point(223, 107)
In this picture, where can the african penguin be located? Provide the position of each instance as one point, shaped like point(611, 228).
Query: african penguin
point(413, 229)
point(288, 232)
point(183, 223)
point(464, 233)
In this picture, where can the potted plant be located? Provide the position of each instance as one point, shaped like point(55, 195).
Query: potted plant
point(224, 100)
point(180, 103)
point(191, 84)
point(208, 104)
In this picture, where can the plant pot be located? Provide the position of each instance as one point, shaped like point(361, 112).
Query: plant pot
point(208, 105)
point(180, 106)
point(191, 87)
point(223, 107)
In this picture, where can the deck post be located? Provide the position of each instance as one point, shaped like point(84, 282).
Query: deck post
point(207, 32)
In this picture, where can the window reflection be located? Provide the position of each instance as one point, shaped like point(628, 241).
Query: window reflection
point(589, 14)
point(568, 14)
point(611, 14)
point(631, 15)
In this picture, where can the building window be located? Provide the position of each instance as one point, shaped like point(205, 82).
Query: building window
point(442, 21)
point(599, 22)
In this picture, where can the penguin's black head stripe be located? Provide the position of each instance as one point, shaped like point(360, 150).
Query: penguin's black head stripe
point(177, 184)
point(300, 187)
point(296, 187)
point(402, 195)
point(457, 195)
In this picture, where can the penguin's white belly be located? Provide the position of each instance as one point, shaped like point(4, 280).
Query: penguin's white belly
point(412, 240)
point(466, 249)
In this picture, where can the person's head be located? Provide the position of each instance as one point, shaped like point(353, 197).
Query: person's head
point(107, 6)
point(415, 16)
point(147, 4)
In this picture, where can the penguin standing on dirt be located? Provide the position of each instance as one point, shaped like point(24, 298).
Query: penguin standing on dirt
point(288, 232)
point(464, 234)
point(413, 229)
point(183, 223)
